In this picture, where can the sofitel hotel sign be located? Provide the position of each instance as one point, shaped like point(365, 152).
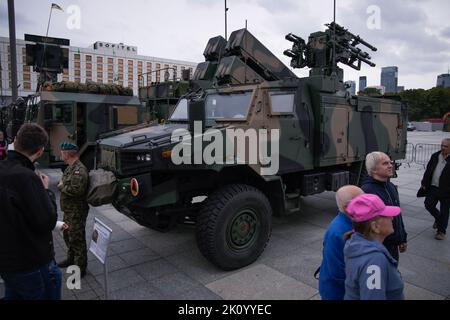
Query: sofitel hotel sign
point(114, 46)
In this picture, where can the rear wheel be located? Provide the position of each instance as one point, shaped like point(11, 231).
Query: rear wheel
point(234, 226)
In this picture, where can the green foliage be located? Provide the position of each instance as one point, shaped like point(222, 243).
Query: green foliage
point(371, 92)
point(423, 104)
point(89, 87)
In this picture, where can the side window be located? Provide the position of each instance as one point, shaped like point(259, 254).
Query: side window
point(124, 116)
point(63, 113)
point(282, 103)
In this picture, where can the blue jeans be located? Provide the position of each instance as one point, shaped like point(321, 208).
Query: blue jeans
point(43, 283)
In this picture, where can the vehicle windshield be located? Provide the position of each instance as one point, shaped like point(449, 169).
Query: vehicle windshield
point(180, 112)
point(219, 106)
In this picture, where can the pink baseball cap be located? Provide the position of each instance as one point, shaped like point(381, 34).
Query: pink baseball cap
point(367, 206)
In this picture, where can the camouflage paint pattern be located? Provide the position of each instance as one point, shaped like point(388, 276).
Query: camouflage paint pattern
point(215, 49)
point(242, 43)
point(80, 118)
point(323, 132)
point(75, 181)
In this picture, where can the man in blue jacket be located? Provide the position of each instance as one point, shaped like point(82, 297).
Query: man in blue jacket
point(332, 269)
point(380, 170)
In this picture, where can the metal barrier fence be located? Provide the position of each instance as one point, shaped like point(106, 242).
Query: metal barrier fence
point(419, 153)
point(423, 152)
point(409, 156)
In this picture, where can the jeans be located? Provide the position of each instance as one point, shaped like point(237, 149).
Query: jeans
point(441, 217)
point(43, 283)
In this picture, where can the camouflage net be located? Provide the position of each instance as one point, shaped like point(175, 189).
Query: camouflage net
point(89, 87)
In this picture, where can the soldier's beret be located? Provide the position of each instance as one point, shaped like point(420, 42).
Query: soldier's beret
point(68, 146)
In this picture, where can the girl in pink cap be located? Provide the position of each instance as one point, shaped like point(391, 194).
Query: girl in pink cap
point(371, 272)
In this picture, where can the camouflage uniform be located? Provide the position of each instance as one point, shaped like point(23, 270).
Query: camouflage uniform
point(73, 203)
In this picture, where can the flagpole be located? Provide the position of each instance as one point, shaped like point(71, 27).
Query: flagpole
point(48, 24)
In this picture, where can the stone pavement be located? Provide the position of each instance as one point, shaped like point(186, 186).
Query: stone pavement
point(146, 264)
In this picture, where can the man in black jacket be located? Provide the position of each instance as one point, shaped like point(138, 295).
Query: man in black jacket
point(27, 217)
point(380, 170)
point(436, 183)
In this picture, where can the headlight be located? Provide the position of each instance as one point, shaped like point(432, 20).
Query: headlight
point(144, 157)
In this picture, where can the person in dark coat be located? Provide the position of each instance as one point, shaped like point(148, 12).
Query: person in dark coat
point(379, 167)
point(27, 217)
point(436, 184)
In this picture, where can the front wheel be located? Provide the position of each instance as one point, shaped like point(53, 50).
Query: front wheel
point(234, 226)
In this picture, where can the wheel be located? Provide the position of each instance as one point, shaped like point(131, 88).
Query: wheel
point(234, 226)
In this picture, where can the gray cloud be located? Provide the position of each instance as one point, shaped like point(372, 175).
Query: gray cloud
point(446, 32)
point(414, 34)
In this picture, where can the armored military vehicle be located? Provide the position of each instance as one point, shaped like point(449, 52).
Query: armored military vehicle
point(160, 98)
point(81, 113)
point(232, 156)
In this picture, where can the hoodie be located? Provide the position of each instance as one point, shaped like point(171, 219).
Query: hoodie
point(371, 272)
point(389, 194)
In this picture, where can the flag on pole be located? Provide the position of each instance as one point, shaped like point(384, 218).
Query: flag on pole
point(55, 6)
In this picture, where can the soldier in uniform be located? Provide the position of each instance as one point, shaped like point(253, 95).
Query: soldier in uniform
point(73, 187)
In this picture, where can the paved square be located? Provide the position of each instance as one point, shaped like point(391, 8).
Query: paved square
point(145, 264)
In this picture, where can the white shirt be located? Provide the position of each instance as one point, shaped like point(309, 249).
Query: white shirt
point(438, 170)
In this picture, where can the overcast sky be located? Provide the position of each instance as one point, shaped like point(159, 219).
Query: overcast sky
point(411, 34)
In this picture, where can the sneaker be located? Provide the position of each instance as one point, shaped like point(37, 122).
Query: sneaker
point(439, 236)
point(65, 263)
point(435, 225)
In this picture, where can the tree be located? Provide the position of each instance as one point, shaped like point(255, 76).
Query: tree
point(423, 104)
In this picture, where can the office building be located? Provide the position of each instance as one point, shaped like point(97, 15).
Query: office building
point(362, 83)
point(102, 62)
point(443, 80)
point(389, 79)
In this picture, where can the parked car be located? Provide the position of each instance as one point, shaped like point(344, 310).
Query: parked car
point(410, 127)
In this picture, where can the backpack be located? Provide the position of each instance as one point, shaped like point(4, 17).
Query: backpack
point(102, 187)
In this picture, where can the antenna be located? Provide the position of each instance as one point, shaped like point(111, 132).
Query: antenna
point(334, 38)
point(226, 10)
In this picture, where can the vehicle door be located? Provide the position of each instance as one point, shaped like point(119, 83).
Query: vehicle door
point(60, 123)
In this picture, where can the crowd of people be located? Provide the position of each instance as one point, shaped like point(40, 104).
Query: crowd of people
point(362, 244)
